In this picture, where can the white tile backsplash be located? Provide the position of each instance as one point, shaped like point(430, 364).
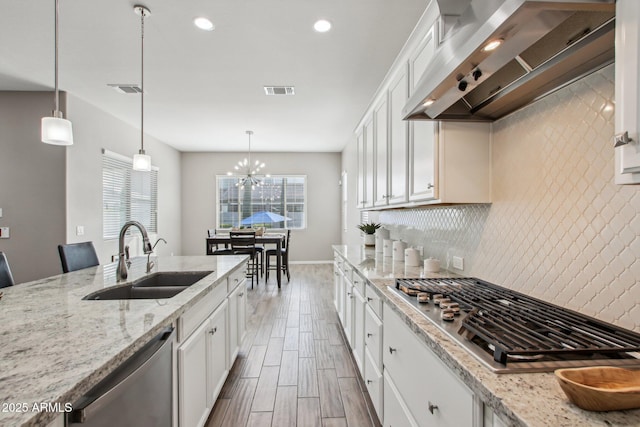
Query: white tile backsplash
point(558, 229)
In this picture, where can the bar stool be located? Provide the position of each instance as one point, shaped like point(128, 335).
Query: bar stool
point(244, 243)
point(284, 255)
point(6, 278)
point(76, 256)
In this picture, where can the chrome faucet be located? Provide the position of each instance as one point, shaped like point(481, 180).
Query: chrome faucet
point(146, 246)
point(150, 263)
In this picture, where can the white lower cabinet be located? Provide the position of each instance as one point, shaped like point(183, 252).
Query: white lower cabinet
point(358, 328)
point(373, 381)
point(210, 335)
point(347, 321)
point(193, 409)
point(433, 395)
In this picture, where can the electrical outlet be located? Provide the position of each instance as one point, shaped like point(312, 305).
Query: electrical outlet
point(80, 230)
point(4, 232)
point(458, 262)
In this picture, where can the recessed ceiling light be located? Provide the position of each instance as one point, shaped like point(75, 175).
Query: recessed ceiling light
point(204, 23)
point(492, 45)
point(322, 26)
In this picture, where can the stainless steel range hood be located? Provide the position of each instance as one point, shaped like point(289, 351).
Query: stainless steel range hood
point(544, 45)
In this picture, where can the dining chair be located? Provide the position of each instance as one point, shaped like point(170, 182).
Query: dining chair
point(244, 243)
point(214, 248)
point(76, 256)
point(6, 278)
point(284, 258)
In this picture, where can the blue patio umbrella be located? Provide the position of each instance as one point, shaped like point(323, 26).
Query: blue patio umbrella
point(264, 217)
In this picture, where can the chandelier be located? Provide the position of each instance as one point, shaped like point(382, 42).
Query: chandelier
point(248, 169)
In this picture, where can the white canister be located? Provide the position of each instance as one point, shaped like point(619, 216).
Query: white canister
point(412, 257)
point(381, 234)
point(387, 247)
point(431, 265)
point(398, 250)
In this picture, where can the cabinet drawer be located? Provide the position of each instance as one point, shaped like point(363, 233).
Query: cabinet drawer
point(373, 299)
point(433, 394)
point(373, 381)
point(373, 336)
point(236, 278)
point(358, 282)
point(190, 320)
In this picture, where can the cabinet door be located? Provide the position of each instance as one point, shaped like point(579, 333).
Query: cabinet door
point(232, 326)
point(373, 336)
point(373, 381)
point(395, 411)
point(380, 114)
point(216, 352)
point(627, 115)
point(242, 314)
point(337, 290)
point(193, 407)
point(398, 138)
point(358, 329)
point(361, 169)
point(423, 153)
point(347, 322)
point(369, 184)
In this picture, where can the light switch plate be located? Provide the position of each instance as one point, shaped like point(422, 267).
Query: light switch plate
point(80, 230)
point(458, 262)
point(4, 232)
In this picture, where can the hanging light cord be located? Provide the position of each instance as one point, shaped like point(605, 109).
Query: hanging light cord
point(56, 112)
point(142, 13)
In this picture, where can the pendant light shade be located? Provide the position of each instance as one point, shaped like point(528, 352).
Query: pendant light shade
point(141, 161)
point(56, 130)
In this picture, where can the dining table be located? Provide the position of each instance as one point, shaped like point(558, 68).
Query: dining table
point(276, 239)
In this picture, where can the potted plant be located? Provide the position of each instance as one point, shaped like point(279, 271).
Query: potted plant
point(369, 230)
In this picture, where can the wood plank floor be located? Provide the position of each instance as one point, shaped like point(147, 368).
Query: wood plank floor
point(294, 367)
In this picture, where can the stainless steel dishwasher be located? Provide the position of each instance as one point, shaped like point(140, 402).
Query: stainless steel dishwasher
point(138, 393)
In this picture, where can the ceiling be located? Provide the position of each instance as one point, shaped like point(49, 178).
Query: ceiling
point(204, 89)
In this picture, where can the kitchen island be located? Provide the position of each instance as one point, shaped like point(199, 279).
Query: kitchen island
point(55, 346)
point(530, 399)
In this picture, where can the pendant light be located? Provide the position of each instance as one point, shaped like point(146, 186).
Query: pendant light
point(250, 169)
point(56, 130)
point(141, 161)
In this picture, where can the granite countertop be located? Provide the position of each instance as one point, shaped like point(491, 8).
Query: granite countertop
point(54, 346)
point(519, 399)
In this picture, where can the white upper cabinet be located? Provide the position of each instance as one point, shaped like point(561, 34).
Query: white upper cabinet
point(361, 169)
point(398, 137)
point(422, 142)
point(627, 94)
point(369, 161)
point(380, 115)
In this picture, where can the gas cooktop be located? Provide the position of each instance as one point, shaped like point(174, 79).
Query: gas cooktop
point(511, 332)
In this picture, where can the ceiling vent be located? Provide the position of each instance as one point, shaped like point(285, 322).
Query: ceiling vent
point(126, 88)
point(279, 90)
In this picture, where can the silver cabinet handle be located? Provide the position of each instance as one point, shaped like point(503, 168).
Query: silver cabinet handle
point(369, 299)
point(241, 294)
point(429, 186)
point(213, 330)
point(432, 407)
point(369, 335)
point(622, 139)
point(369, 381)
point(392, 350)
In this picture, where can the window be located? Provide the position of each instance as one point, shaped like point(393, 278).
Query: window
point(127, 195)
point(282, 195)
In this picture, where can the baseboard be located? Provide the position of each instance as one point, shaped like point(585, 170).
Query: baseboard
point(311, 262)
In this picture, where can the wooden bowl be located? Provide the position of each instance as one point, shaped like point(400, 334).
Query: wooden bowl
point(601, 388)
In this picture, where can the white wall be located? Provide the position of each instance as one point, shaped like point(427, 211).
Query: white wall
point(32, 186)
point(94, 130)
point(199, 172)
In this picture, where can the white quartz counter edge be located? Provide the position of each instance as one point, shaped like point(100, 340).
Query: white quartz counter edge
point(56, 346)
point(519, 399)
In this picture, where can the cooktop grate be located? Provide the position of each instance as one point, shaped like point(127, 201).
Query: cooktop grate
point(514, 326)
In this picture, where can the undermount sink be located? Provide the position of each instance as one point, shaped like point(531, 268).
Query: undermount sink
point(154, 286)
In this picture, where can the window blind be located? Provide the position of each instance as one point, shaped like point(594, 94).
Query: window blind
point(127, 195)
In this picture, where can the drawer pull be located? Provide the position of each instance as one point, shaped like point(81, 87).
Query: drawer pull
point(369, 381)
point(392, 350)
point(369, 299)
point(213, 330)
point(369, 335)
point(432, 407)
point(241, 294)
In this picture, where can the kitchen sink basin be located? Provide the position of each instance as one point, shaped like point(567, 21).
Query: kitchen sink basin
point(154, 286)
